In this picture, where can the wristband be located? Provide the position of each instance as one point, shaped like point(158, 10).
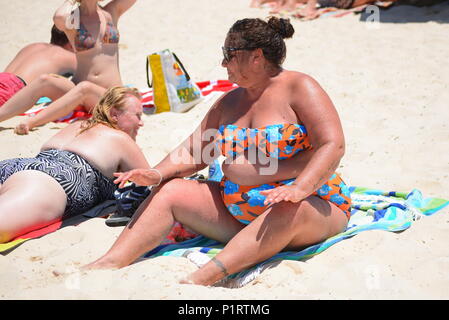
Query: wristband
point(159, 174)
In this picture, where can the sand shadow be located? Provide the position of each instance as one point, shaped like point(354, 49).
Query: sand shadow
point(402, 13)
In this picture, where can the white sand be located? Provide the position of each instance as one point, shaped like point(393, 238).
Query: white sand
point(390, 86)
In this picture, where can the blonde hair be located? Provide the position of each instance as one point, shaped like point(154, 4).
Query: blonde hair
point(114, 97)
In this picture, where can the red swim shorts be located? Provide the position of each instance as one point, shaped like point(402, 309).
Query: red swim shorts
point(9, 85)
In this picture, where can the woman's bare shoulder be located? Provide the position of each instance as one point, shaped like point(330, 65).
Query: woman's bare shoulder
point(228, 98)
point(301, 83)
point(298, 77)
point(115, 135)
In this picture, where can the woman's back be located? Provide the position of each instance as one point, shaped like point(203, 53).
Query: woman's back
point(103, 147)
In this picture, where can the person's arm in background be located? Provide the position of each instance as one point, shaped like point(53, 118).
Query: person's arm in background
point(118, 7)
point(62, 14)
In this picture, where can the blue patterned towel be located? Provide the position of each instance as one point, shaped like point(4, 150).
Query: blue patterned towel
point(372, 209)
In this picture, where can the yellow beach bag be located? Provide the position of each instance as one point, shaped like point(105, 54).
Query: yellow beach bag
point(173, 90)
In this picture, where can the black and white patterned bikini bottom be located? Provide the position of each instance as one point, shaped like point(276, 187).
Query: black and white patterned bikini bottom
point(84, 185)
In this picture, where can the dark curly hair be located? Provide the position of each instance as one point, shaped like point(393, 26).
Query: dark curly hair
point(58, 37)
point(266, 35)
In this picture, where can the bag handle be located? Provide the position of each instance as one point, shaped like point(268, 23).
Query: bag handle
point(150, 83)
point(182, 67)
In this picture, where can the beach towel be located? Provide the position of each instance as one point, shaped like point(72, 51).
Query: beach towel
point(372, 209)
point(125, 200)
point(100, 210)
point(206, 88)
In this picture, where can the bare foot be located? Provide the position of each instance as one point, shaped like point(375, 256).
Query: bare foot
point(186, 281)
point(100, 264)
point(22, 128)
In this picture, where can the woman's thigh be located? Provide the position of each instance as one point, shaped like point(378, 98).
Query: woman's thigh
point(321, 220)
point(302, 224)
point(90, 94)
point(52, 86)
point(29, 200)
point(199, 205)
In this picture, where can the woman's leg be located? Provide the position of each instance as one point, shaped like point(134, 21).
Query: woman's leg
point(46, 85)
point(29, 200)
point(84, 93)
point(284, 226)
point(197, 205)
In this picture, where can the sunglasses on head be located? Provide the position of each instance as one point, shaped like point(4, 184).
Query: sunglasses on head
point(227, 50)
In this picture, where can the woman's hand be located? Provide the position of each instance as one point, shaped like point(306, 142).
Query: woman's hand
point(290, 193)
point(141, 177)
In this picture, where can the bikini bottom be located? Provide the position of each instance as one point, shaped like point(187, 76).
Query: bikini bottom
point(246, 203)
point(84, 185)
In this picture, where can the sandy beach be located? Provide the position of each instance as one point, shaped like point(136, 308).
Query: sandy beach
point(390, 84)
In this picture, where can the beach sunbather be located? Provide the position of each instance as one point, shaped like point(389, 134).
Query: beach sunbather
point(95, 41)
point(282, 139)
point(37, 59)
point(310, 9)
point(279, 5)
point(73, 171)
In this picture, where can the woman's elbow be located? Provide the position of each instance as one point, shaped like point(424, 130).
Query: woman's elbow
point(341, 149)
point(59, 21)
point(337, 148)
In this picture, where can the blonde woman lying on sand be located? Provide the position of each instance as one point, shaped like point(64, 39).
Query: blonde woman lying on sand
point(278, 192)
point(94, 37)
point(74, 170)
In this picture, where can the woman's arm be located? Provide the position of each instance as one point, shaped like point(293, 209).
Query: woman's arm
point(61, 15)
point(317, 112)
point(132, 156)
point(118, 7)
point(196, 152)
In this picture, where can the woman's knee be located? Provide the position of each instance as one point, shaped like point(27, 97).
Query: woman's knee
point(85, 87)
point(47, 80)
point(172, 189)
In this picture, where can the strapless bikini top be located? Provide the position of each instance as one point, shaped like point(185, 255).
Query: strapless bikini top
point(280, 141)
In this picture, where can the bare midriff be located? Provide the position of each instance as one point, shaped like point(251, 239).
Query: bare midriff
point(99, 65)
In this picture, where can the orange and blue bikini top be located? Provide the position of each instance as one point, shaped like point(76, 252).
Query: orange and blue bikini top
point(280, 141)
point(85, 41)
